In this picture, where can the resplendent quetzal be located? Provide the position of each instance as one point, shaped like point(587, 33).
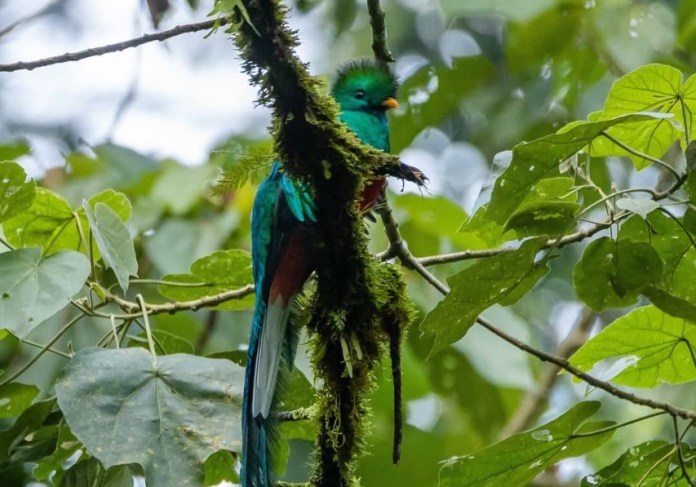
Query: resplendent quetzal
point(282, 235)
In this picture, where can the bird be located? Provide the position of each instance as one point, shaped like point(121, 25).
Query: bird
point(284, 218)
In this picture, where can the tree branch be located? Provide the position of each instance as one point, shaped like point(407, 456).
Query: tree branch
point(109, 48)
point(532, 403)
point(379, 32)
point(405, 255)
point(591, 380)
point(131, 307)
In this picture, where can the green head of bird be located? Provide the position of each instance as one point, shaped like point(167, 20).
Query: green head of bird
point(365, 86)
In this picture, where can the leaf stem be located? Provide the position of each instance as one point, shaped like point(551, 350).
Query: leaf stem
point(617, 426)
point(642, 155)
point(43, 350)
point(148, 332)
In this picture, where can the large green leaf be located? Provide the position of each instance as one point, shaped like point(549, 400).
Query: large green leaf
point(540, 159)
point(225, 270)
point(15, 398)
point(675, 292)
point(113, 240)
point(649, 347)
point(613, 273)
point(34, 288)
point(653, 88)
point(51, 223)
point(503, 279)
point(167, 416)
point(644, 464)
point(549, 209)
point(15, 194)
point(520, 458)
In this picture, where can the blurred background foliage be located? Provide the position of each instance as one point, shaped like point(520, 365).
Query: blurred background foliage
point(478, 77)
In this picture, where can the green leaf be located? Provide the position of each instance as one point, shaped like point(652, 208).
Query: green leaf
point(178, 242)
point(51, 223)
point(484, 233)
point(503, 279)
point(179, 188)
point(29, 421)
point(640, 465)
point(649, 347)
point(445, 88)
point(640, 207)
point(225, 270)
point(656, 88)
point(86, 473)
point(612, 274)
point(125, 167)
point(543, 218)
point(10, 152)
point(297, 393)
point(15, 195)
point(540, 159)
point(48, 214)
point(113, 240)
point(35, 288)
point(15, 398)
point(549, 209)
point(520, 458)
point(435, 216)
point(675, 292)
point(167, 416)
point(165, 343)
point(219, 467)
point(66, 446)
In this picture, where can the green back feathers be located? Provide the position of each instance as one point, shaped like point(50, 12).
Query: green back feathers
point(364, 85)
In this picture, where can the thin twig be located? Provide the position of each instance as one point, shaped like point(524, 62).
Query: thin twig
point(642, 155)
point(43, 350)
point(109, 48)
point(36, 15)
point(591, 380)
point(379, 33)
point(680, 454)
point(398, 248)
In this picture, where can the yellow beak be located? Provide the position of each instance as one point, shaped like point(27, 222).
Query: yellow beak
point(390, 103)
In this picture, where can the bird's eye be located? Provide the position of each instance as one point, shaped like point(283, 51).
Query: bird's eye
point(360, 94)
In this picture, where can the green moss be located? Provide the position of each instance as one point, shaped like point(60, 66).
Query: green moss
point(359, 304)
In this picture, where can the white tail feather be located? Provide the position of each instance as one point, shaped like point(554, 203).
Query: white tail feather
point(268, 356)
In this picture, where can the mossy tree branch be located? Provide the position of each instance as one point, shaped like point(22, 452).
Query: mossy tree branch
point(358, 300)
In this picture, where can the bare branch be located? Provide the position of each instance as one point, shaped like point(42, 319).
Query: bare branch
point(119, 46)
point(193, 305)
point(591, 380)
point(379, 33)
